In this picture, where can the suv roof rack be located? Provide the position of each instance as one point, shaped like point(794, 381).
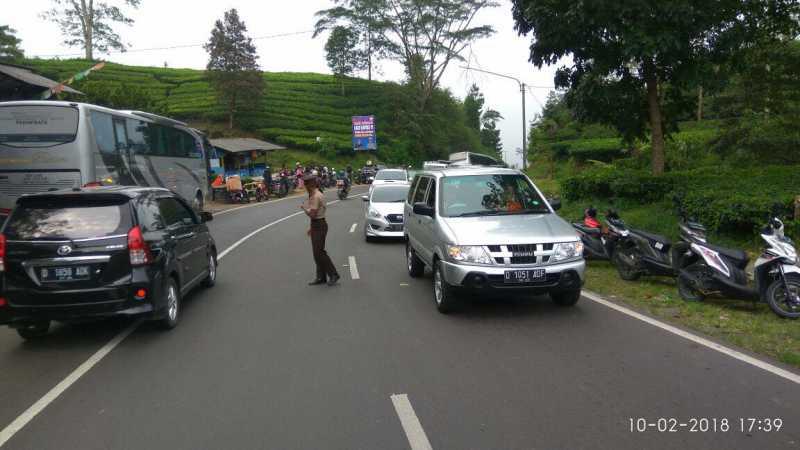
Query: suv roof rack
point(464, 159)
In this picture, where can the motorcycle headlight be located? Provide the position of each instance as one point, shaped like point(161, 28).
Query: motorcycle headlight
point(374, 213)
point(568, 250)
point(469, 254)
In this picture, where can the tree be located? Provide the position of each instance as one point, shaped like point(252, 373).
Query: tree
point(341, 52)
point(633, 62)
point(232, 66)
point(87, 24)
point(425, 35)
point(490, 135)
point(473, 107)
point(9, 44)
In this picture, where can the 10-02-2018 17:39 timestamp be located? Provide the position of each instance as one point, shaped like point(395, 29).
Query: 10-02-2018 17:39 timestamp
point(705, 424)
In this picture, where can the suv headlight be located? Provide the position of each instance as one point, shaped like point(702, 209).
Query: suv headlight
point(469, 253)
point(374, 213)
point(568, 250)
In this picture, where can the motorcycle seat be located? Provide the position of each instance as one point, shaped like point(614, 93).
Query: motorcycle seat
point(587, 230)
point(738, 257)
point(653, 237)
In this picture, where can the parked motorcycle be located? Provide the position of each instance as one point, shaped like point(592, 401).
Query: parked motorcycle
point(343, 189)
point(718, 270)
point(638, 252)
point(261, 192)
point(597, 242)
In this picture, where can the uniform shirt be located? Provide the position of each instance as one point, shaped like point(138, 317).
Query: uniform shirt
point(317, 201)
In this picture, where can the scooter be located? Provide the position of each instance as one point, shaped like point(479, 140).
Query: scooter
point(343, 189)
point(638, 252)
point(597, 243)
point(718, 270)
point(261, 192)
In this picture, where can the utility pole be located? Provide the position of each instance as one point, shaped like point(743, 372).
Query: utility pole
point(522, 87)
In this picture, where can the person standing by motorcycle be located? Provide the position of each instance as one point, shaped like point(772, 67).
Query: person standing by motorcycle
point(315, 209)
point(268, 179)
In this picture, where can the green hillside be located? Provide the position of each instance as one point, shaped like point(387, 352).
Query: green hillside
point(296, 108)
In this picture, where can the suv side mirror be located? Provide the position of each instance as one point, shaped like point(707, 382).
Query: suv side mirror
point(365, 198)
point(555, 203)
point(206, 216)
point(422, 209)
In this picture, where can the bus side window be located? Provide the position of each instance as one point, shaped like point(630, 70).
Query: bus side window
point(137, 136)
point(120, 134)
point(104, 132)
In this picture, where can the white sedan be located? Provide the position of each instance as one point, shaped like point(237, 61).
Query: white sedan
point(383, 214)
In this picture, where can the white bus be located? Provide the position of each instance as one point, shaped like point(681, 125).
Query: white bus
point(48, 145)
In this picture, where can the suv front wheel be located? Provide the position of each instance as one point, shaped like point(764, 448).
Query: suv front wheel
point(566, 298)
point(443, 293)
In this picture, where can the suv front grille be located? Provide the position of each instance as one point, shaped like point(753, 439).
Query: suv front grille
point(521, 254)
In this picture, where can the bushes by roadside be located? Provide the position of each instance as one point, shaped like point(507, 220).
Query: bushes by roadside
point(736, 200)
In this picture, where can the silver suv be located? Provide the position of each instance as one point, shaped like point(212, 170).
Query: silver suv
point(489, 229)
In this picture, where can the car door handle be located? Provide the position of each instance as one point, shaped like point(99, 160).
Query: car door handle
point(189, 235)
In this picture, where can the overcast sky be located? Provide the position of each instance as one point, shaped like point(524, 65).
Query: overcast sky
point(164, 23)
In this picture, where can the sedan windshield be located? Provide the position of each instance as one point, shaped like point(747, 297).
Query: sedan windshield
point(396, 175)
point(390, 194)
point(484, 195)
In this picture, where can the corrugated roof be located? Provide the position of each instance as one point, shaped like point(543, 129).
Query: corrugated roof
point(27, 76)
point(235, 145)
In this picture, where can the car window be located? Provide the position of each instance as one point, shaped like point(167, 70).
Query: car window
point(414, 182)
point(389, 194)
point(62, 218)
point(174, 213)
point(422, 187)
point(149, 214)
point(432, 194)
point(475, 195)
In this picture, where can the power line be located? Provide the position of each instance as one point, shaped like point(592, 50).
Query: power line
point(175, 47)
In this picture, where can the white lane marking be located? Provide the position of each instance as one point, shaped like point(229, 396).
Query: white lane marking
point(697, 339)
point(410, 422)
point(353, 267)
point(9, 431)
point(353, 228)
point(23, 419)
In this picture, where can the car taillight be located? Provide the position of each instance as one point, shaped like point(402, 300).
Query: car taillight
point(92, 184)
point(2, 253)
point(137, 248)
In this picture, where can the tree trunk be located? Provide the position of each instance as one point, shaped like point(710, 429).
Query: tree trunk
point(369, 56)
point(88, 28)
point(700, 103)
point(654, 107)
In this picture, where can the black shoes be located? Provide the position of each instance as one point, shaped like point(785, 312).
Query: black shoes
point(333, 279)
point(316, 282)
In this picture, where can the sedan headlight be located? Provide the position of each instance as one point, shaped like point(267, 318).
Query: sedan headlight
point(374, 213)
point(469, 254)
point(568, 250)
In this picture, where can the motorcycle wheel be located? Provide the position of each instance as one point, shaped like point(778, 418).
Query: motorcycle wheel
point(686, 288)
point(778, 300)
point(342, 195)
point(625, 270)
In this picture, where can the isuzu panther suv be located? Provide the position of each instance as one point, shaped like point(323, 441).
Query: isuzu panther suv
point(489, 229)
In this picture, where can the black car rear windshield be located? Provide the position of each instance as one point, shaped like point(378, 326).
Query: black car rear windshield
point(59, 218)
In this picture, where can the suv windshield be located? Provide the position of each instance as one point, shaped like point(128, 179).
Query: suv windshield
point(68, 219)
point(390, 194)
point(397, 175)
point(483, 195)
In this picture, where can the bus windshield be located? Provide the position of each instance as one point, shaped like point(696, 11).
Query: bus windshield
point(25, 126)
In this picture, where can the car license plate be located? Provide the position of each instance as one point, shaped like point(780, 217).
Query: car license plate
point(525, 276)
point(55, 274)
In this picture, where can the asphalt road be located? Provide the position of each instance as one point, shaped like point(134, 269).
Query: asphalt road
point(264, 361)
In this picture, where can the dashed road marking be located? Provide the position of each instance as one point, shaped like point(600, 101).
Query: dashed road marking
point(353, 267)
point(410, 422)
point(353, 228)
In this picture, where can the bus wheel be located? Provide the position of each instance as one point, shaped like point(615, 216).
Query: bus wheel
point(197, 204)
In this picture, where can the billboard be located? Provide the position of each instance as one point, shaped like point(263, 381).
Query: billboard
point(364, 133)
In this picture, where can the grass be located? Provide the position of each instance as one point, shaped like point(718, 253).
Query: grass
point(751, 326)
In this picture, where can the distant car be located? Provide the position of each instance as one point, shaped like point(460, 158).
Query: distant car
point(91, 253)
point(390, 176)
point(383, 215)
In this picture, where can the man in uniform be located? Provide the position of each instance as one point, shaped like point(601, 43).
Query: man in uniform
point(315, 209)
